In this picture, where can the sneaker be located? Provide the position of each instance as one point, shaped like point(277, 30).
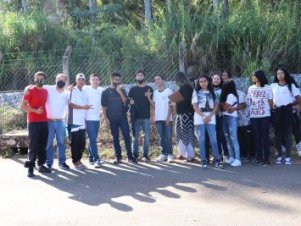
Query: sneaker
point(145, 159)
point(91, 162)
point(219, 165)
point(30, 172)
point(288, 161)
point(64, 166)
point(189, 159)
point(230, 160)
point(236, 163)
point(79, 165)
point(258, 163)
point(161, 158)
point(170, 158)
point(44, 169)
point(49, 166)
point(204, 164)
point(116, 161)
point(180, 157)
point(266, 163)
point(132, 160)
point(97, 164)
point(279, 160)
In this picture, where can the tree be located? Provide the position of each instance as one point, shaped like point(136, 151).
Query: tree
point(24, 6)
point(225, 9)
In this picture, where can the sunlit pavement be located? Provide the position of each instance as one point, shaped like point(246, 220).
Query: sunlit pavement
point(151, 194)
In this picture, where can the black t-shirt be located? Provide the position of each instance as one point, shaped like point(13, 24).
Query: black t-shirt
point(142, 104)
point(185, 106)
point(112, 100)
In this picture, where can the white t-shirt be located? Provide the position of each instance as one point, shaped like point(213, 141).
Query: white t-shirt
point(258, 100)
point(161, 104)
point(94, 99)
point(282, 95)
point(231, 100)
point(78, 116)
point(57, 102)
point(200, 99)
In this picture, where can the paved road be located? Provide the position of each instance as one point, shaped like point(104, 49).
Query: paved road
point(151, 194)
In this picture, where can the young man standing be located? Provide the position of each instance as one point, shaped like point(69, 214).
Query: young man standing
point(163, 119)
point(33, 103)
point(77, 120)
point(57, 107)
point(114, 101)
point(94, 93)
point(141, 98)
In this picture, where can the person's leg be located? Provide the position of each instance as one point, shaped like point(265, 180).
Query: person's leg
point(233, 136)
point(49, 147)
point(160, 131)
point(138, 123)
point(168, 138)
point(256, 124)
point(92, 131)
point(124, 126)
point(60, 138)
point(265, 128)
point(146, 132)
point(226, 128)
point(201, 131)
point(82, 143)
point(114, 126)
point(43, 136)
point(211, 129)
point(32, 148)
point(75, 136)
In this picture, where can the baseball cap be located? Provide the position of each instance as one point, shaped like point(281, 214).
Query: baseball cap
point(80, 76)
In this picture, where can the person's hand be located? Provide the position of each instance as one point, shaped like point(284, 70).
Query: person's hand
point(207, 119)
point(39, 110)
point(87, 107)
point(132, 101)
point(231, 109)
point(167, 122)
point(119, 89)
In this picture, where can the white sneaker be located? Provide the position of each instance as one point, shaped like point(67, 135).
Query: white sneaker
point(288, 161)
point(230, 160)
point(161, 158)
point(278, 160)
point(236, 163)
point(170, 158)
point(97, 164)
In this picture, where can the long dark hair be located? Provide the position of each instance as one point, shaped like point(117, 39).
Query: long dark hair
point(181, 79)
point(260, 75)
point(229, 87)
point(210, 88)
point(287, 78)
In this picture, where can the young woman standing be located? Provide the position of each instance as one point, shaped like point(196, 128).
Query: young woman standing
point(205, 107)
point(260, 100)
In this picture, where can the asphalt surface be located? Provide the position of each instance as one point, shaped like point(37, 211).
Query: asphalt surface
point(151, 194)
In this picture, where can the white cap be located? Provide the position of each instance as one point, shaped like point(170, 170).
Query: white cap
point(80, 76)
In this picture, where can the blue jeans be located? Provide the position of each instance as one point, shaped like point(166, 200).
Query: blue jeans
point(145, 125)
point(122, 124)
point(230, 130)
point(165, 135)
point(200, 132)
point(57, 129)
point(92, 128)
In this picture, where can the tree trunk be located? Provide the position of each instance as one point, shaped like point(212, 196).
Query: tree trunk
point(215, 6)
point(148, 11)
point(24, 5)
point(225, 9)
point(66, 59)
point(92, 10)
point(182, 53)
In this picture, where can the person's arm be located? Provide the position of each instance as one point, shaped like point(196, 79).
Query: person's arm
point(25, 106)
point(105, 117)
point(122, 94)
point(169, 113)
point(83, 107)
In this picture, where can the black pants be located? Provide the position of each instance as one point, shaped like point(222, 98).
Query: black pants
point(38, 135)
point(245, 140)
point(296, 128)
point(78, 144)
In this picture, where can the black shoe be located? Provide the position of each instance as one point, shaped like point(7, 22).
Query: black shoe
point(116, 161)
point(64, 166)
point(204, 164)
point(266, 163)
point(30, 172)
point(146, 159)
point(219, 165)
point(258, 163)
point(44, 169)
point(132, 161)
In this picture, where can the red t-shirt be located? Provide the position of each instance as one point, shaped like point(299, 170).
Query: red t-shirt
point(36, 98)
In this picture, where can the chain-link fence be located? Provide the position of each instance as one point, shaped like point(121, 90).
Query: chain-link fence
point(17, 72)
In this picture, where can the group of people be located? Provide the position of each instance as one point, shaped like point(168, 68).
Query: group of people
point(210, 109)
